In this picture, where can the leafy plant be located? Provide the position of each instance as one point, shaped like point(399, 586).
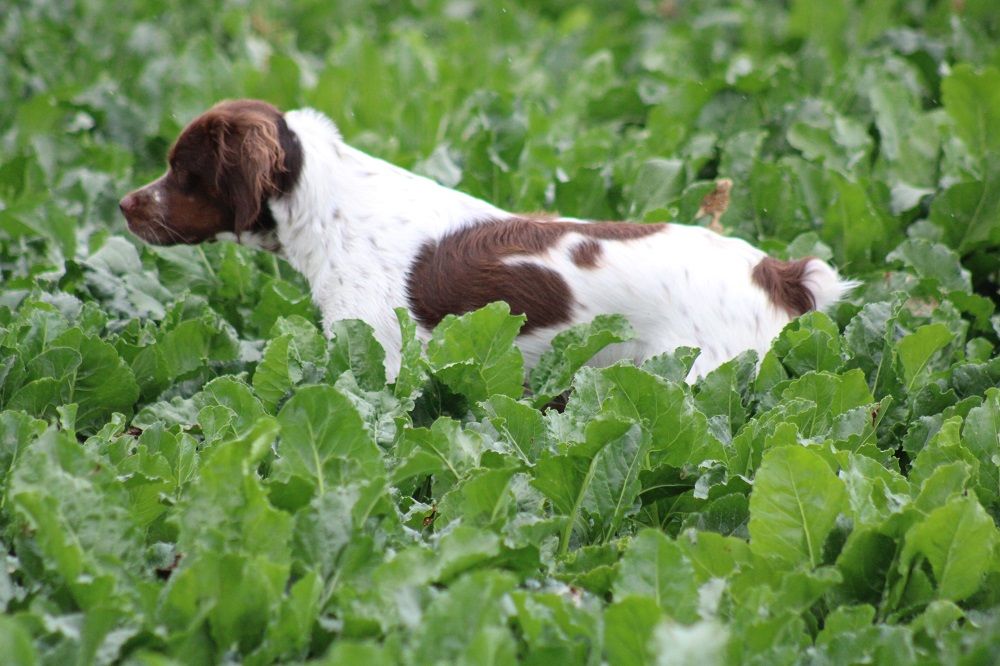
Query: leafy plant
point(190, 472)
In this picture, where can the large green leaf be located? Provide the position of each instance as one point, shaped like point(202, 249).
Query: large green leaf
point(79, 521)
point(596, 483)
point(968, 214)
point(679, 430)
point(972, 99)
point(475, 355)
point(324, 440)
point(917, 349)
point(795, 501)
point(958, 540)
point(981, 435)
point(354, 348)
point(628, 627)
point(17, 643)
point(466, 623)
point(656, 567)
point(570, 350)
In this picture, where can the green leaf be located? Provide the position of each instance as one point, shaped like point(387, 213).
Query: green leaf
point(279, 298)
point(874, 492)
point(972, 99)
point(483, 497)
point(909, 138)
point(918, 348)
point(295, 354)
point(231, 405)
point(103, 383)
point(628, 627)
point(447, 450)
point(832, 394)
point(76, 509)
point(824, 136)
point(969, 214)
point(275, 376)
point(981, 435)
point(657, 184)
point(348, 653)
point(466, 623)
point(17, 431)
point(856, 227)
point(933, 261)
point(353, 347)
point(520, 424)
point(824, 23)
point(597, 482)
point(182, 348)
point(870, 339)
point(666, 410)
point(412, 370)
point(713, 555)
point(553, 624)
point(475, 354)
point(958, 540)
point(323, 439)
point(227, 508)
point(672, 366)
point(810, 343)
point(795, 501)
point(465, 548)
point(18, 648)
point(656, 567)
point(723, 391)
point(570, 350)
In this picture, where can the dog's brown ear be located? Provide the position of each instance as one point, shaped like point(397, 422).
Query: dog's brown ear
point(249, 157)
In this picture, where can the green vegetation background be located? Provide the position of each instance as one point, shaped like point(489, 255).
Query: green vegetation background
point(190, 473)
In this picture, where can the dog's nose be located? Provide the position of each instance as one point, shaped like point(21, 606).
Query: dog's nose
point(127, 204)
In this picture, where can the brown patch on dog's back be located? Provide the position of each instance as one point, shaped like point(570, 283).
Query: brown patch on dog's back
point(618, 231)
point(586, 254)
point(783, 283)
point(467, 269)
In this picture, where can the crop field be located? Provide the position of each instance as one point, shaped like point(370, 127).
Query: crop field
point(191, 473)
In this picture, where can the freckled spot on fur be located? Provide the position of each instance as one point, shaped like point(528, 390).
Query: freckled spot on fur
point(586, 254)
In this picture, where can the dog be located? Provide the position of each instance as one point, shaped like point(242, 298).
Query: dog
point(370, 237)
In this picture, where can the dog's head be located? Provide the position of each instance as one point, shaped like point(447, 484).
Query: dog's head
point(222, 170)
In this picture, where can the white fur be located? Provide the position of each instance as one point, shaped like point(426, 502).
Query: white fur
point(353, 224)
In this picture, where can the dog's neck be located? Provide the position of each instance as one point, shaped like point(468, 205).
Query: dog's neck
point(353, 223)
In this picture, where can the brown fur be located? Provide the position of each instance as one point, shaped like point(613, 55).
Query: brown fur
point(465, 270)
point(223, 167)
point(782, 280)
point(586, 254)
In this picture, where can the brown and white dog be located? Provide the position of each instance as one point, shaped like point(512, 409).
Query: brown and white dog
point(370, 237)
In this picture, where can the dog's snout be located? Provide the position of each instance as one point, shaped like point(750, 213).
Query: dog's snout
point(128, 204)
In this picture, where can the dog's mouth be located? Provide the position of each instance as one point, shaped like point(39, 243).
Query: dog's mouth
point(155, 231)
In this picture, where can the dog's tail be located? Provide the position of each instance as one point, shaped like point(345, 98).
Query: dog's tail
point(801, 285)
